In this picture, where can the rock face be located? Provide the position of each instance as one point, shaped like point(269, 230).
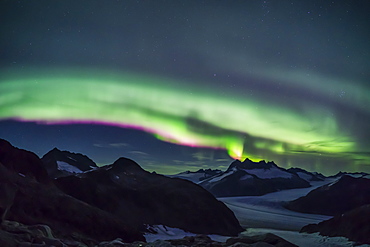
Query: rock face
point(139, 197)
point(250, 178)
point(341, 196)
point(353, 225)
point(63, 163)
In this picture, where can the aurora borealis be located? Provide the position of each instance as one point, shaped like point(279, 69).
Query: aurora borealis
point(233, 78)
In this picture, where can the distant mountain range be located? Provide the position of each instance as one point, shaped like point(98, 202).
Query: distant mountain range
point(240, 179)
point(250, 178)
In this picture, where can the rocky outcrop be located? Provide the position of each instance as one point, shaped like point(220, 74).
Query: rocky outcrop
point(15, 234)
point(139, 197)
point(250, 178)
point(353, 225)
point(63, 163)
point(345, 194)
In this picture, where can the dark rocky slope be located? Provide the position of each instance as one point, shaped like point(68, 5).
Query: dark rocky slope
point(139, 197)
point(336, 198)
point(353, 225)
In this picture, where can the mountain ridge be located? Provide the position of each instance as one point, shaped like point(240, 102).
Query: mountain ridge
point(250, 178)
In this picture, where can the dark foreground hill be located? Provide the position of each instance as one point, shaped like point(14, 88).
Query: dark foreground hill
point(139, 197)
point(345, 194)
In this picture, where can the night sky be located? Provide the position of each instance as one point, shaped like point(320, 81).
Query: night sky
point(184, 85)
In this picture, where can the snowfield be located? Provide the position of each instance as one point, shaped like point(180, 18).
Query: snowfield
point(267, 211)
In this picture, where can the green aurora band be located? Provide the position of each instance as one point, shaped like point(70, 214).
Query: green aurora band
point(174, 111)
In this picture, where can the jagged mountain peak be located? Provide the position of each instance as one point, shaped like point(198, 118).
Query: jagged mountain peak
point(57, 153)
point(63, 163)
point(249, 164)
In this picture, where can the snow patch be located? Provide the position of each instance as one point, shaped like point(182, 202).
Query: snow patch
point(71, 158)
point(166, 233)
point(304, 176)
point(269, 173)
point(216, 179)
point(332, 183)
point(63, 166)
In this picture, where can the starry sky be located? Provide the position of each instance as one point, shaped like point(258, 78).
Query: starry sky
point(184, 85)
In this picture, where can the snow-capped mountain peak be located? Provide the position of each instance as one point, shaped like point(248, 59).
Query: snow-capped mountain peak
point(252, 178)
point(63, 163)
